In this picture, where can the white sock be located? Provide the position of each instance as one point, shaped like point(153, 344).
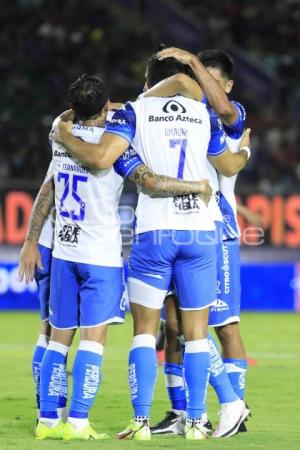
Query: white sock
point(62, 413)
point(79, 424)
point(50, 423)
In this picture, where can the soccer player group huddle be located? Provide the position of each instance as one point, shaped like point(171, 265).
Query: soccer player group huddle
point(182, 142)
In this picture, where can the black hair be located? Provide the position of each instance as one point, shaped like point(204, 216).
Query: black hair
point(217, 59)
point(158, 70)
point(87, 95)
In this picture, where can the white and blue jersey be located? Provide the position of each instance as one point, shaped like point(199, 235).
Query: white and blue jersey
point(227, 200)
point(124, 166)
point(174, 236)
point(87, 227)
point(166, 134)
point(87, 269)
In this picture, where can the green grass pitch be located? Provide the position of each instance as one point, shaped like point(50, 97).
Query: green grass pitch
point(273, 389)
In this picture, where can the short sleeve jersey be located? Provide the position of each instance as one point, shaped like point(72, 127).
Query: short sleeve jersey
point(173, 137)
point(87, 228)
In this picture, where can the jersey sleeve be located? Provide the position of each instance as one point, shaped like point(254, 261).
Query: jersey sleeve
point(123, 123)
point(236, 130)
point(217, 144)
point(127, 163)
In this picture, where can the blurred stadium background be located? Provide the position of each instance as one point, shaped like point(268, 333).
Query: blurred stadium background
point(45, 44)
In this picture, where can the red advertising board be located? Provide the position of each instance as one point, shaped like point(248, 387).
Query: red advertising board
point(280, 215)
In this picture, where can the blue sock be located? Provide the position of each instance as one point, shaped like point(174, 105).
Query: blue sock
point(63, 396)
point(142, 373)
point(86, 375)
point(175, 385)
point(236, 370)
point(218, 376)
point(37, 358)
point(52, 369)
point(196, 366)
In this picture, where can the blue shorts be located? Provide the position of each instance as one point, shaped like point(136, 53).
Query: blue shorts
point(187, 257)
point(42, 278)
point(85, 295)
point(227, 307)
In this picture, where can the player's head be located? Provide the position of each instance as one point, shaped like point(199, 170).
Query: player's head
point(157, 70)
point(220, 65)
point(88, 97)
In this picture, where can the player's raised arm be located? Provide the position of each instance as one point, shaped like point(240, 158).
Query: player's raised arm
point(226, 162)
point(177, 84)
point(30, 255)
point(216, 96)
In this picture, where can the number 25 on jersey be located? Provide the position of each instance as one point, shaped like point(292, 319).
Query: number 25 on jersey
point(71, 184)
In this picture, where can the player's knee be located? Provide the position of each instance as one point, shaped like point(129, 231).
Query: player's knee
point(45, 328)
point(228, 333)
point(97, 334)
point(64, 337)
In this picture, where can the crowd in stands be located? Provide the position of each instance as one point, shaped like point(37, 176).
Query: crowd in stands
point(46, 44)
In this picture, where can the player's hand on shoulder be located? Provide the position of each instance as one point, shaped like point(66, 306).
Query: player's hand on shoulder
point(205, 191)
point(30, 257)
point(60, 130)
point(182, 56)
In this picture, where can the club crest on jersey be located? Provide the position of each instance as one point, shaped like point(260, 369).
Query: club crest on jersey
point(172, 106)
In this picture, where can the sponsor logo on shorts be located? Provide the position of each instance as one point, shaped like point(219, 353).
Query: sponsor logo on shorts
point(219, 306)
point(225, 269)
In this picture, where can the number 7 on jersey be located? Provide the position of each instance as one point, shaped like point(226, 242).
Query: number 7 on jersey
point(179, 143)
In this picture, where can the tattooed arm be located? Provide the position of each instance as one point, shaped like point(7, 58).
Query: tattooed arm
point(167, 186)
point(30, 255)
